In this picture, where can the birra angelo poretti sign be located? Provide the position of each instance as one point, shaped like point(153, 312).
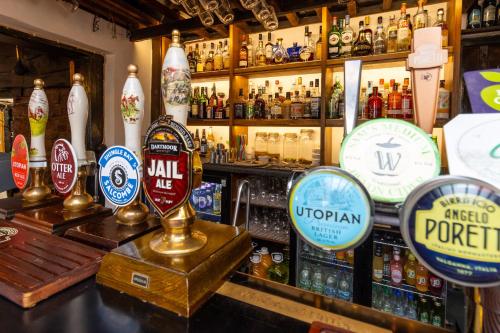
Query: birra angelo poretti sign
point(167, 171)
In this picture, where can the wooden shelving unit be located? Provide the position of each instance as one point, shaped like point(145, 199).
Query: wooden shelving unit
point(325, 69)
point(340, 122)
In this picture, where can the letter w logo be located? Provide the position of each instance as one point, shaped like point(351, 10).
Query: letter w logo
point(387, 162)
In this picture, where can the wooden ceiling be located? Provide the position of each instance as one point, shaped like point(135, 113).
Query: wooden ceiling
point(152, 18)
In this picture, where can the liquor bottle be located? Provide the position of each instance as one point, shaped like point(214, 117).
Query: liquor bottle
point(204, 55)
point(368, 31)
point(333, 109)
point(403, 30)
point(331, 285)
point(344, 291)
point(347, 37)
point(378, 264)
point(286, 106)
point(218, 58)
point(197, 140)
point(424, 310)
point(203, 144)
point(410, 24)
point(226, 59)
point(437, 314)
point(305, 281)
point(260, 53)
point(240, 106)
point(440, 22)
point(363, 104)
point(202, 104)
point(380, 39)
point(394, 103)
point(251, 53)
point(411, 308)
point(250, 114)
point(392, 35)
point(209, 62)
point(474, 15)
point(280, 55)
point(217, 199)
point(191, 60)
point(294, 52)
point(435, 284)
point(306, 52)
point(422, 278)
point(195, 103)
point(269, 50)
point(396, 267)
point(407, 103)
point(498, 14)
point(361, 46)
point(210, 138)
point(443, 108)
point(213, 103)
point(243, 59)
point(260, 105)
point(276, 107)
point(316, 101)
point(307, 105)
point(411, 270)
point(334, 41)
point(319, 44)
point(420, 18)
point(297, 107)
point(266, 257)
point(375, 105)
point(489, 13)
point(278, 271)
point(398, 308)
point(199, 60)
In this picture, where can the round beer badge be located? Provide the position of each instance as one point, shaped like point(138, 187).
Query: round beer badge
point(19, 161)
point(330, 209)
point(63, 166)
point(119, 175)
point(452, 225)
point(390, 157)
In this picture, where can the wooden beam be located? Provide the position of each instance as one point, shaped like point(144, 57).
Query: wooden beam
point(202, 33)
point(222, 30)
point(386, 4)
point(121, 6)
point(167, 12)
point(318, 12)
point(293, 19)
point(101, 12)
point(352, 8)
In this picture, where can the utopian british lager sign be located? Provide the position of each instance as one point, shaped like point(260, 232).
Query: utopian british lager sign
point(63, 166)
point(390, 157)
point(452, 225)
point(168, 159)
point(119, 175)
point(330, 209)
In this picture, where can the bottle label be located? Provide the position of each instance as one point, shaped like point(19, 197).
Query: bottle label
point(422, 280)
point(435, 282)
point(489, 14)
point(436, 320)
point(475, 17)
point(396, 276)
point(444, 100)
point(346, 37)
point(278, 56)
point(333, 39)
point(403, 33)
point(329, 291)
point(305, 54)
point(344, 295)
point(411, 273)
point(333, 50)
point(378, 274)
point(194, 110)
point(424, 317)
point(269, 52)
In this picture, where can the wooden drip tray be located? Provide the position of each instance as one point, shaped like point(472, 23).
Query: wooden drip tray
point(35, 266)
point(10, 206)
point(56, 220)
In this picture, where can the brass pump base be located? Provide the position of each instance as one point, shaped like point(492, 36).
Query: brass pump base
point(79, 199)
point(177, 237)
point(133, 214)
point(38, 189)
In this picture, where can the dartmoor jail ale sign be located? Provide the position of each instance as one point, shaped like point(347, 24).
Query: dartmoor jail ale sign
point(167, 167)
point(119, 175)
point(330, 209)
point(390, 157)
point(63, 166)
point(452, 225)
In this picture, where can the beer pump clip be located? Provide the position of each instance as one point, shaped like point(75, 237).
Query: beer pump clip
point(425, 62)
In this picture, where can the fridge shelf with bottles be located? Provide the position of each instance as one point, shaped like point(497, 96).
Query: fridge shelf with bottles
point(278, 122)
point(207, 122)
point(217, 75)
point(329, 260)
point(280, 69)
point(264, 203)
point(400, 245)
point(386, 282)
point(259, 233)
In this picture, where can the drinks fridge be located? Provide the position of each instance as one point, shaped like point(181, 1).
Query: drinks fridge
point(208, 198)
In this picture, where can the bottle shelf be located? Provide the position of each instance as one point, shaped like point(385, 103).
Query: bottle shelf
point(264, 203)
point(257, 232)
point(222, 74)
point(278, 122)
point(481, 32)
point(375, 58)
point(386, 282)
point(208, 122)
point(340, 122)
point(326, 261)
point(278, 69)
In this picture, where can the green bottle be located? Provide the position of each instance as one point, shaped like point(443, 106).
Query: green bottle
point(334, 41)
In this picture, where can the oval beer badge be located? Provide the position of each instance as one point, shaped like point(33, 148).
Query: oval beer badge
point(390, 157)
point(19, 161)
point(330, 209)
point(119, 175)
point(452, 225)
point(63, 166)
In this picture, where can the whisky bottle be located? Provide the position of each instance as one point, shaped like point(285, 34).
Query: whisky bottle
point(243, 59)
point(276, 107)
point(280, 55)
point(334, 41)
point(203, 144)
point(259, 106)
point(316, 101)
point(368, 31)
point(197, 140)
point(202, 102)
point(361, 47)
point(307, 105)
point(260, 53)
point(286, 106)
point(394, 108)
point(199, 60)
point(347, 36)
point(204, 56)
point(306, 52)
point(250, 114)
point(440, 22)
point(406, 103)
point(213, 103)
point(191, 60)
point(195, 103)
point(268, 51)
point(226, 59)
point(380, 39)
point(218, 58)
point(392, 35)
point(297, 107)
point(420, 18)
point(319, 44)
point(209, 62)
point(403, 30)
point(489, 13)
point(251, 53)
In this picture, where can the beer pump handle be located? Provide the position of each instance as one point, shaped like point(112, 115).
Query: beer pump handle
point(38, 114)
point(132, 109)
point(352, 80)
point(425, 63)
point(78, 113)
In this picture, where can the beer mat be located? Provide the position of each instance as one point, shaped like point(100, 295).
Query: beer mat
point(35, 266)
point(319, 327)
point(483, 89)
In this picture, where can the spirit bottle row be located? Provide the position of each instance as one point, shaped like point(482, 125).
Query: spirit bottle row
point(206, 60)
point(205, 107)
point(487, 15)
point(343, 42)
